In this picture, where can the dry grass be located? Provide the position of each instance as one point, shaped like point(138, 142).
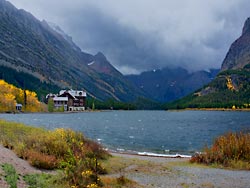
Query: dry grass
point(122, 165)
point(119, 168)
point(231, 150)
point(119, 182)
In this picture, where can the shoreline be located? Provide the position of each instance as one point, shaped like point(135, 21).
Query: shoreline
point(155, 159)
point(210, 109)
point(108, 110)
point(150, 154)
point(219, 109)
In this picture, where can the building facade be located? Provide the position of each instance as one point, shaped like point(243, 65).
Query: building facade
point(69, 100)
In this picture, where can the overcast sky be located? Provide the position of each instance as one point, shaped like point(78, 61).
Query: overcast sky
point(138, 35)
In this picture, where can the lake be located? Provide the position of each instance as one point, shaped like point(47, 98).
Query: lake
point(162, 132)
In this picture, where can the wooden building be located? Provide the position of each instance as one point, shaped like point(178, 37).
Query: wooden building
point(69, 100)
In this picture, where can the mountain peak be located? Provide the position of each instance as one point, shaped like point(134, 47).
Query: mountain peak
point(100, 56)
point(246, 28)
point(238, 55)
point(6, 6)
point(102, 65)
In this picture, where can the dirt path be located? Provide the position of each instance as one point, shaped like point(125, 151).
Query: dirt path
point(22, 167)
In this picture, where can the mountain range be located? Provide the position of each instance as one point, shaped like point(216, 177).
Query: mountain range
point(40, 56)
point(169, 84)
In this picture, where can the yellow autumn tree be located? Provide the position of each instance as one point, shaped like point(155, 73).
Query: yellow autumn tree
point(7, 102)
point(32, 104)
point(11, 95)
point(229, 83)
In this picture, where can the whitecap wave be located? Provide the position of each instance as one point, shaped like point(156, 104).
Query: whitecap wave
point(120, 149)
point(163, 155)
point(99, 139)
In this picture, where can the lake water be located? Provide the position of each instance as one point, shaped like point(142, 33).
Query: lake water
point(164, 132)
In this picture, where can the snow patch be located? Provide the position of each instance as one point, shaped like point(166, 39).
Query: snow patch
point(91, 63)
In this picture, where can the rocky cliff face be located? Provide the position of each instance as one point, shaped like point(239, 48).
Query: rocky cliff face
point(238, 55)
point(34, 47)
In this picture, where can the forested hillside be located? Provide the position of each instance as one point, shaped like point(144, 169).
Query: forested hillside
point(231, 89)
point(28, 81)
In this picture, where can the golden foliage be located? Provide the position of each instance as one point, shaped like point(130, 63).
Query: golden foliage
point(11, 95)
point(230, 85)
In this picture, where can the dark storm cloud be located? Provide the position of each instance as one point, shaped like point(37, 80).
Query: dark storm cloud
point(145, 34)
point(125, 46)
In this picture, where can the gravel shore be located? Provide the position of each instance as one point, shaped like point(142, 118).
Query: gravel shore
point(178, 173)
point(160, 173)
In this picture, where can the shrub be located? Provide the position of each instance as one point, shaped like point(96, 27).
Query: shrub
point(228, 150)
point(58, 149)
point(83, 173)
point(49, 142)
point(95, 150)
point(41, 160)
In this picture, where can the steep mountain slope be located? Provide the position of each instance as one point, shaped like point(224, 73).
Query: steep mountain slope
point(231, 88)
point(33, 47)
point(239, 53)
point(169, 84)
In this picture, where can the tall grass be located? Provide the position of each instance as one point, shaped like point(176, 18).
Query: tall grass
point(58, 149)
point(230, 150)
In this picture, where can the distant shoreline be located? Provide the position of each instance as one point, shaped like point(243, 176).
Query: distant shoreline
point(212, 109)
point(171, 110)
point(219, 109)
